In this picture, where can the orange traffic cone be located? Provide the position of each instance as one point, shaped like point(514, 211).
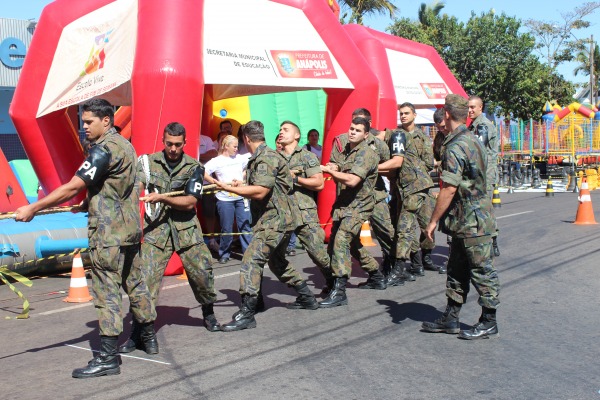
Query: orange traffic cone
point(78, 290)
point(365, 235)
point(183, 276)
point(585, 212)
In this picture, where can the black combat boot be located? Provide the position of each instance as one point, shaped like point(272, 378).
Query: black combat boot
point(376, 281)
point(244, 318)
point(260, 303)
point(134, 341)
point(329, 282)
point(337, 296)
point(427, 261)
point(396, 276)
point(148, 337)
point(485, 328)
point(386, 268)
point(210, 321)
point(306, 299)
point(416, 267)
point(105, 363)
point(495, 246)
point(449, 322)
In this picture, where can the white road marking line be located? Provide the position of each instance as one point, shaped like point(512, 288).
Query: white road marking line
point(513, 215)
point(122, 355)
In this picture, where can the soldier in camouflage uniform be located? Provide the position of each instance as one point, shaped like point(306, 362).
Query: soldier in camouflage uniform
point(307, 180)
point(488, 135)
point(414, 158)
point(268, 186)
point(171, 225)
point(356, 176)
point(380, 221)
point(114, 233)
point(464, 210)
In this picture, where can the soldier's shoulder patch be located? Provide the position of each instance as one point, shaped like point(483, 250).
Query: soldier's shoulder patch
point(262, 169)
point(313, 162)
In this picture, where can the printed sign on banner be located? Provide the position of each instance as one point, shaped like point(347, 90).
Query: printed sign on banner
point(94, 56)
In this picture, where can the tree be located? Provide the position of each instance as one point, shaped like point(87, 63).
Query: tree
point(555, 41)
point(359, 8)
point(429, 12)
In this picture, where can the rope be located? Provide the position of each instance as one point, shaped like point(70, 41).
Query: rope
point(53, 210)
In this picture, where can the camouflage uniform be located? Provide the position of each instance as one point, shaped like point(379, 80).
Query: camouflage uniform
point(468, 220)
point(380, 220)
point(353, 206)
point(175, 230)
point(416, 202)
point(487, 134)
point(483, 129)
point(272, 222)
point(309, 231)
point(114, 235)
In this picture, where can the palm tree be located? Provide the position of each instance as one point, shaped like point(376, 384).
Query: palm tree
point(360, 8)
point(428, 12)
point(583, 58)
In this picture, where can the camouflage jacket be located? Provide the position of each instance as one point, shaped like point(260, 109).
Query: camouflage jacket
point(269, 169)
point(307, 162)
point(357, 201)
point(485, 130)
point(413, 176)
point(464, 163)
point(374, 143)
point(181, 226)
point(114, 212)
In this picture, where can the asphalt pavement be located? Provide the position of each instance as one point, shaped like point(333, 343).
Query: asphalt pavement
point(370, 349)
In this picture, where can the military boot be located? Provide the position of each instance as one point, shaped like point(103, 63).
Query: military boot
point(396, 276)
point(260, 303)
point(244, 318)
point(329, 282)
point(105, 363)
point(148, 337)
point(416, 261)
point(337, 296)
point(376, 281)
point(485, 328)
point(306, 299)
point(495, 246)
point(427, 261)
point(210, 321)
point(449, 322)
point(134, 341)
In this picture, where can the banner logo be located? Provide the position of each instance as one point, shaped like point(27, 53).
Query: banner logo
point(97, 55)
point(304, 64)
point(434, 90)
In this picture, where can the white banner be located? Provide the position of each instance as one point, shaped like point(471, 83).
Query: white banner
point(262, 44)
point(94, 56)
point(416, 80)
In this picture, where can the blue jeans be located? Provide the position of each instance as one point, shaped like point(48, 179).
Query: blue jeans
point(227, 210)
point(292, 244)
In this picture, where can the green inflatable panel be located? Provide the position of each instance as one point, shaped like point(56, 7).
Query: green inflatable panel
point(26, 177)
point(306, 109)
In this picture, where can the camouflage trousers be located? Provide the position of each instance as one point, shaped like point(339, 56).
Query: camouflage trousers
point(111, 268)
point(471, 260)
point(197, 263)
point(415, 213)
point(344, 243)
point(312, 237)
point(381, 225)
point(266, 246)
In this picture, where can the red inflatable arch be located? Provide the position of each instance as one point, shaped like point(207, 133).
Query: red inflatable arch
point(154, 56)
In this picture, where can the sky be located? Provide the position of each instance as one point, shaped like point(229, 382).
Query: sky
point(547, 10)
